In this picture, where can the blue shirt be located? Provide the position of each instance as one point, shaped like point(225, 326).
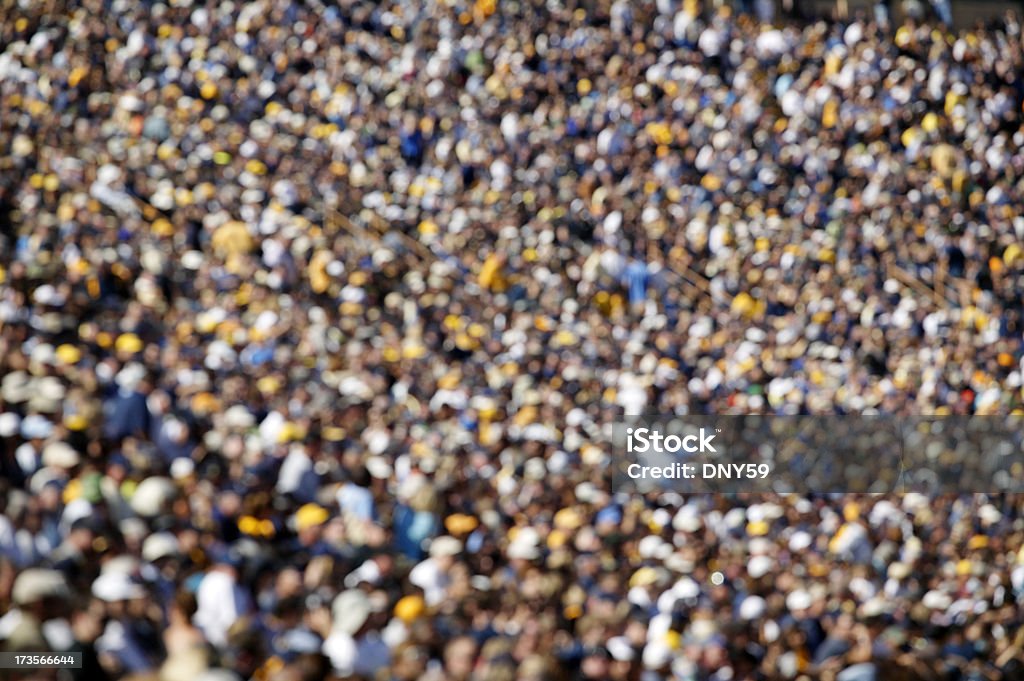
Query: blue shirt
point(357, 500)
point(635, 278)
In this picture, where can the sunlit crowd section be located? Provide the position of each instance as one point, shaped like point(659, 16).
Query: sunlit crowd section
point(315, 318)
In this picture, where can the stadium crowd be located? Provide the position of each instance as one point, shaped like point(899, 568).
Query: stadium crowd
point(315, 317)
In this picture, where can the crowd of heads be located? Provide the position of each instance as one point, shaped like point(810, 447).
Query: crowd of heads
point(315, 319)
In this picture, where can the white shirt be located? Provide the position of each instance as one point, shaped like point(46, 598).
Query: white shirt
point(351, 657)
point(220, 602)
point(431, 579)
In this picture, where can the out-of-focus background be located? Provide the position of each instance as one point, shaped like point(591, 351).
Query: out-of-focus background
point(316, 317)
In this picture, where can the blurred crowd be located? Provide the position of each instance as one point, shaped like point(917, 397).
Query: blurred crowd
point(315, 317)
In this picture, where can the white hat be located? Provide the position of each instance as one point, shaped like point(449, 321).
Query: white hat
point(585, 492)
point(989, 514)
point(640, 597)
point(803, 506)
point(687, 519)
point(535, 469)
point(75, 510)
point(50, 387)
point(521, 551)
point(538, 432)
point(368, 572)
point(798, 600)
point(123, 564)
point(60, 455)
point(411, 486)
point(735, 518)
point(937, 600)
point(755, 513)
point(575, 417)
point(898, 570)
point(759, 566)
point(661, 518)
point(378, 467)
point(686, 588)
point(130, 376)
point(677, 562)
point(863, 589)
point(182, 467)
point(558, 462)
point(350, 611)
point(874, 607)
point(239, 417)
point(883, 511)
point(116, 586)
point(649, 545)
point(160, 545)
point(683, 668)
point(445, 546)
point(133, 527)
point(759, 546)
point(192, 260)
point(16, 387)
point(703, 629)
point(108, 174)
point(43, 477)
point(525, 545)
point(620, 649)
point(47, 393)
point(752, 608)
point(912, 501)
point(47, 295)
point(152, 495)
point(35, 584)
point(35, 426)
point(9, 423)
point(800, 541)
